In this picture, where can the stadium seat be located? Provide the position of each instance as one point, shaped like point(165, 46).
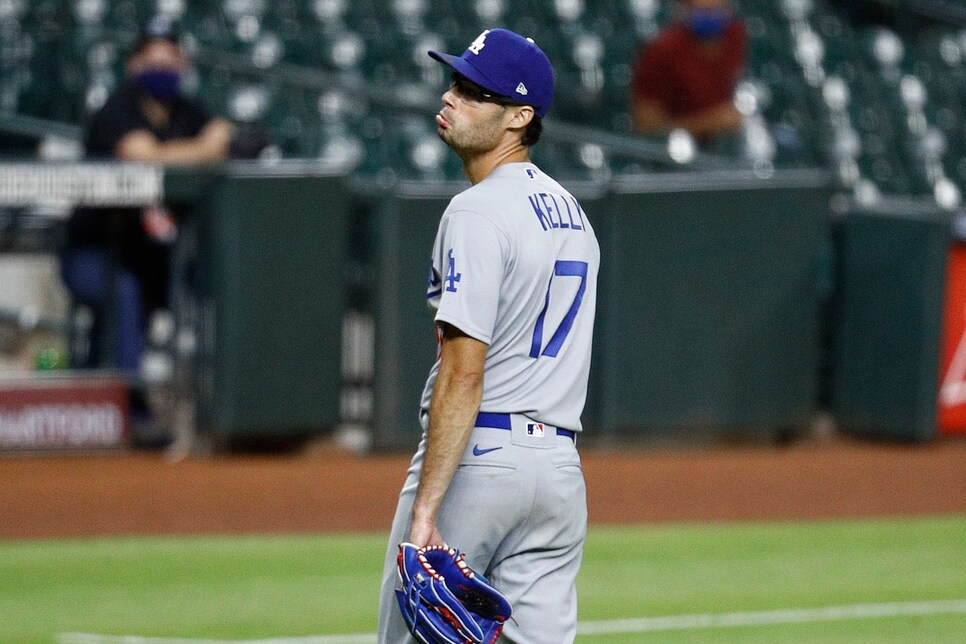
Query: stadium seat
point(404, 59)
point(326, 13)
point(337, 144)
point(266, 50)
point(90, 13)
point(485, 12)
point(365, 16)
point(344, 51)
point(559, 160)
point(377, 161)
point(581, 78)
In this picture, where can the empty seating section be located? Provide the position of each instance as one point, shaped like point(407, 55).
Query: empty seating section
point(883, 110)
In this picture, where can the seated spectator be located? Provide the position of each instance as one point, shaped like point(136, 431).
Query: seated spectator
point(118, 259)
point(685, 77)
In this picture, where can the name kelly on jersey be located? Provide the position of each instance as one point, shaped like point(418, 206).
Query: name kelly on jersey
point(557, 211)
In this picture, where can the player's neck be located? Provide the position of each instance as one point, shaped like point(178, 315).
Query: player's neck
point(479, 166)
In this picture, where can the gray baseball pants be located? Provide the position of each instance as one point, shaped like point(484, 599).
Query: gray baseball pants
point(519, 514)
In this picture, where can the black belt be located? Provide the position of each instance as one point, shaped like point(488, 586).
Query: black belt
point(502, 421)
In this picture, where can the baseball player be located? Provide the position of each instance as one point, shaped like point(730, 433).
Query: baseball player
point(513, 285)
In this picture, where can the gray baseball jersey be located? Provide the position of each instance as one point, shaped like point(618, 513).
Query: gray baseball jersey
point(515, 266)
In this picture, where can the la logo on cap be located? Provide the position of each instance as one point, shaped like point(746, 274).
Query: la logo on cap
point(479, 43)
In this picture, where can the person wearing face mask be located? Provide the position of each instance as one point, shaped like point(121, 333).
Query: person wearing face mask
point(685, 77)
point(146, 120)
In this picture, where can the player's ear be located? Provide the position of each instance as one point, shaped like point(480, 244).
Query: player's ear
point(520, 117)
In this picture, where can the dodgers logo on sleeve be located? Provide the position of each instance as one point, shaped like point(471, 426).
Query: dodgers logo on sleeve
point(452, 277)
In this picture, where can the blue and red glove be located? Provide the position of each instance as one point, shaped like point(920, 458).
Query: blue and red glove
point(444, 601)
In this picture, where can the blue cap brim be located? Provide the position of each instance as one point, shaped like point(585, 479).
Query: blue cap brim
point(460, 65)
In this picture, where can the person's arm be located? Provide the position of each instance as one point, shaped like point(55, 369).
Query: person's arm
point(650, 118)
point(211, 144)
point(452, 415)
point(723, 118)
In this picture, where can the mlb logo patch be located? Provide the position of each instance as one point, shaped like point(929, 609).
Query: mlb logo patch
point(535, 429)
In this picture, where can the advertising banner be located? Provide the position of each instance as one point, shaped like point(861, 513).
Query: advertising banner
point(62, 413)
point(952, 388)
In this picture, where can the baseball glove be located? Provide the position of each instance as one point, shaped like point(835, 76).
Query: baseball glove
point(444, 601)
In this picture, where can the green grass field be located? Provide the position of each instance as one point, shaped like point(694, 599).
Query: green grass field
point(260, 587)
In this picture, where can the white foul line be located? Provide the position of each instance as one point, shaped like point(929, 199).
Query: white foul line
point(612, 626)
point(772, 617)
point(91, 638)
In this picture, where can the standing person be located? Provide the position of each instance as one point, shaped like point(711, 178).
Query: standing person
point(148, 120)
point(514, 288)
point(686, 76)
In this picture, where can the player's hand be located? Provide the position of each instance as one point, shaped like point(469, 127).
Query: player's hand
point(424, 533)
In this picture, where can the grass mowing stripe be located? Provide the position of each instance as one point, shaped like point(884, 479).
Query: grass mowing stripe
point(616, 626)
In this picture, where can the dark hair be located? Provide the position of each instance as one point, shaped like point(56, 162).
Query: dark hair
point(157, 28)
point(532, 134)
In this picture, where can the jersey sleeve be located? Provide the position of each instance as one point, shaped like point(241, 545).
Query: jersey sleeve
point(470, 260)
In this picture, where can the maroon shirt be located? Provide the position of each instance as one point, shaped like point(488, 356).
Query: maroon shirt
point(674, 70)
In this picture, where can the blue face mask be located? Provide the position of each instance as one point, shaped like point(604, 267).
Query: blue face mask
point(161, 84)
point(708, 24)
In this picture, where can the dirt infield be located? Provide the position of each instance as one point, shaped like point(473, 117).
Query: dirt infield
point(326, 490)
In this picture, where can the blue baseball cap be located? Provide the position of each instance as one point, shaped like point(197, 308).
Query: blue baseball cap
point(507, 64)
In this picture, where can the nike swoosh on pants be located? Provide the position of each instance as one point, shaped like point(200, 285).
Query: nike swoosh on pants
point(480, 452)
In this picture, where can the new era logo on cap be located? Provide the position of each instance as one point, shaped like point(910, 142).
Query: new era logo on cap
point(507, 64)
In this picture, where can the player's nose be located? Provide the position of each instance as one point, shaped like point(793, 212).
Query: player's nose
point(449, 97)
